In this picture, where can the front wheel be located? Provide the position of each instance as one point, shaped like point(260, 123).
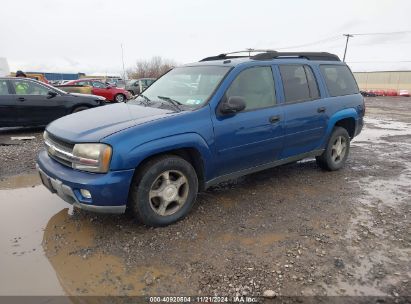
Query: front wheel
point(336, 152)
point(119, 98)
point(78, 109)
point(163, 191)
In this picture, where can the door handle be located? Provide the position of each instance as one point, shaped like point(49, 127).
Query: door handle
point(321, 110)
point(274, 119)
point(21, 99)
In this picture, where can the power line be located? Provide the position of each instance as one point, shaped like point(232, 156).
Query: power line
point(384, 33)
point(332, 38)
point(399, 61)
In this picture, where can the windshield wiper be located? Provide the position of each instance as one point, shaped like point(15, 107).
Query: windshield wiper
point(147, 101)
point(174, 102)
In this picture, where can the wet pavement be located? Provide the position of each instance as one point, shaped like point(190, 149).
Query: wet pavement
point(294, 229)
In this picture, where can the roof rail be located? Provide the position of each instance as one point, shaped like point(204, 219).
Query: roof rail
point(271, 54)
point(307, 55)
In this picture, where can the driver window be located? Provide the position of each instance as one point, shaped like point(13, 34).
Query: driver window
point(100, 85)
point(256, 86)
point(29, 88)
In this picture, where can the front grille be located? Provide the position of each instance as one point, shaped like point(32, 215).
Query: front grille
point(59, 150)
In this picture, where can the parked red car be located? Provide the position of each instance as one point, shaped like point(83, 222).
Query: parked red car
point(101, 89)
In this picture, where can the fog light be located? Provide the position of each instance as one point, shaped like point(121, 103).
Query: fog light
point(85, 193)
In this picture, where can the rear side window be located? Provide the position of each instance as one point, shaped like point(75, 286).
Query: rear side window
point(4, 90)
point(339, 80)
point(299, 83)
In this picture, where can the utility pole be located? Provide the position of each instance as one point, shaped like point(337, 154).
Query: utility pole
point(346, 44)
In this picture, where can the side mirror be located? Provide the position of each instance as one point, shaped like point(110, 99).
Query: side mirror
point(232, 105)
point(51, 94)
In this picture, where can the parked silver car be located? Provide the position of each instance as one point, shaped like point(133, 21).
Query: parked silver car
point(136, 86)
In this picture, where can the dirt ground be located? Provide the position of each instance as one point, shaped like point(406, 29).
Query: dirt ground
point(295, 230)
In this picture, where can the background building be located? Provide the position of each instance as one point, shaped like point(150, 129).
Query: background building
point(386, 80)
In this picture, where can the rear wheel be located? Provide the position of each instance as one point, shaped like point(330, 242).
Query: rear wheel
point(336, 152)
point(78, 109)
point(119, 98)
point(164, 191)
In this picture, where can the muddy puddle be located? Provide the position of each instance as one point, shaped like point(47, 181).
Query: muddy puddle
point(383, 195)
point(42, 237)
point(26, 210)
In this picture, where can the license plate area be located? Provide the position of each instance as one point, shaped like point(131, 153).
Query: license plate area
point(46, 182)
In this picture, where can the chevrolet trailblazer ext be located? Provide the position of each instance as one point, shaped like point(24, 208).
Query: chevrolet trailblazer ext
point(201, 124)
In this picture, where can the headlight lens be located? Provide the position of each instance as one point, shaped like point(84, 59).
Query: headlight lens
point(92, 157)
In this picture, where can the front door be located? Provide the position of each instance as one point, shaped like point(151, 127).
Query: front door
point(101, 89)
point(35, 107)
point(253, 136)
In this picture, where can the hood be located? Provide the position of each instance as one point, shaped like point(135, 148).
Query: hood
point(95, 124)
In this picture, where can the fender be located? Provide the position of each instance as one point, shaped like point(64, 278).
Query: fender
point(346, 113)
point(184, 140)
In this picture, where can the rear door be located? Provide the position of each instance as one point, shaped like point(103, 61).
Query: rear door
point(34, 105)
point(304, 110)
point(8, 109)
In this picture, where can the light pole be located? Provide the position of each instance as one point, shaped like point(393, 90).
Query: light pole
point(122, 59)
point(346, 44)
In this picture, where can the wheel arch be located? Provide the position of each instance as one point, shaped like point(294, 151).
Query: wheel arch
point(345, 118)
point(79, 105)
point(189, 146)
point(189, 154)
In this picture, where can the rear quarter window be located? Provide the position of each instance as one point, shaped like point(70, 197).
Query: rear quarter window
point(339, 80)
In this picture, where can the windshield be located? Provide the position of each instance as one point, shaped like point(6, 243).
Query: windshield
point(188, 86)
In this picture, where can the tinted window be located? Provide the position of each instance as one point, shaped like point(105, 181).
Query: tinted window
point(256, 86)
point(339, 80)
point(295, 83)
point(4, 90)
point(23, 87)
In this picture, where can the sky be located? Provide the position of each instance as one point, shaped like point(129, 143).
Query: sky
point(86, 35)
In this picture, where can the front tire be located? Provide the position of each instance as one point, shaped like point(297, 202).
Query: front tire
point(336, 152)
point(119, 98)
point(78, 109)
point(163, 191)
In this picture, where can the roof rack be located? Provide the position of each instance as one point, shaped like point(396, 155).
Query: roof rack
point(271, 54)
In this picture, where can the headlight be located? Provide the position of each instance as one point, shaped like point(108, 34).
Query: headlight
point(92, 157)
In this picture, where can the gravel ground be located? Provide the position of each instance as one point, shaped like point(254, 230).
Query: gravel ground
point(293, 230)
point(20, 157)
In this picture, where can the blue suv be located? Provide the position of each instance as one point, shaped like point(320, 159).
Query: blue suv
point(201, 124)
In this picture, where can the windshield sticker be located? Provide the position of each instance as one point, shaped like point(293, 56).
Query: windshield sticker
point(193, 101)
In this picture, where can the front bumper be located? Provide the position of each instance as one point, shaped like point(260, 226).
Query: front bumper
point(109, 192)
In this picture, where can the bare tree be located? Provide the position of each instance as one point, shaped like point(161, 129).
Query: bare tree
point(153, 68)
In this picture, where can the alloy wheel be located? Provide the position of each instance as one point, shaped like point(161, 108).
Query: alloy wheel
point(169, 192)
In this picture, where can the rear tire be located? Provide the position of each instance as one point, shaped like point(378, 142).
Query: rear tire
point(163, 191)
point(78, 109)
point(336, 152)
